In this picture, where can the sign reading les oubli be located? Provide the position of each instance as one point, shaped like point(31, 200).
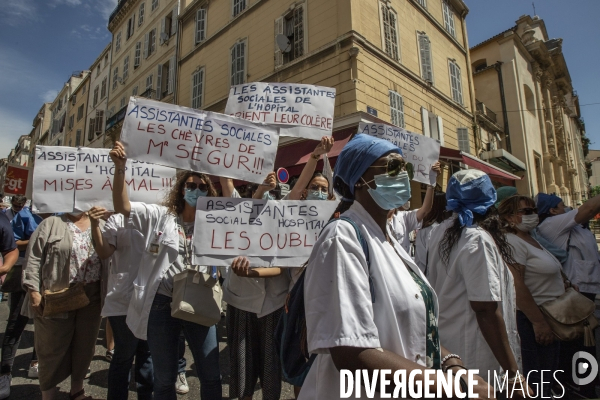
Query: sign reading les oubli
point(299, 110)
point(200, 141)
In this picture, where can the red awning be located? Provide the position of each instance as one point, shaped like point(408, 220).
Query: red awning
point(472, 161)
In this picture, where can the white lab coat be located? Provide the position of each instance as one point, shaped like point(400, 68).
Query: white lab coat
point(402, 224)
point(149, 219)
point(339, 310)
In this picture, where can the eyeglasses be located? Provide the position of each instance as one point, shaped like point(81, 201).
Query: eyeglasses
point(527, 210)
point(394, 166)
point(317, 188)
point(193, 186)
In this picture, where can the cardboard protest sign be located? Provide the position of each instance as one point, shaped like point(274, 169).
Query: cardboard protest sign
point(148, 183)
point(55, 179)
point(16, 180)
point(201, 141)
point(268, 232)
point(96, 170)
point(299, 110)
point(421, 151)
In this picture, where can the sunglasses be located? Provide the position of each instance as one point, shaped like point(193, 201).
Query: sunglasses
point(394, 166)
point(527, 210)
point(193, 186)
point(317, 188)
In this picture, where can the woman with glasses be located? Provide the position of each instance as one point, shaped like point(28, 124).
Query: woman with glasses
point(372, 312)
point(168, 235)
point(538, 279)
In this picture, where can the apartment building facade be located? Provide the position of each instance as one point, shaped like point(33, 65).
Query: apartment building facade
point(143, 54)
point(41, 129)
point(77, 116)
point(98, 99)
point(60, 109)
point(521, 76)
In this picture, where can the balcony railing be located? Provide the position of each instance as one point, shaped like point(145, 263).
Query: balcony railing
point(486, 111)
point(115, 119)
point(149, 94)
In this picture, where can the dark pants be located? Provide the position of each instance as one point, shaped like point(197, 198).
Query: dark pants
point(127, 346)
point(182, 361)
point(163, 339)
point(537, 358)
point(14, 329)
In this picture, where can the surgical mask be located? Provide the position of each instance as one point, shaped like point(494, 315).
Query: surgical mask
point(391, 191)
point(528, 223)
point(191, 196)
point(316, 195)
point(567, 209)
point(267, 196)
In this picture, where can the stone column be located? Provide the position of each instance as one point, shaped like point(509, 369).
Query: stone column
point(550, 168)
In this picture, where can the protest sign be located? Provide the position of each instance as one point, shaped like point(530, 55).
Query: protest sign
point(148, 183)
point(96, 170)
point(421, 151)
point(200, 141)
point(299, 110)
point(16, 180)
point(55, 179)
point(268, 232)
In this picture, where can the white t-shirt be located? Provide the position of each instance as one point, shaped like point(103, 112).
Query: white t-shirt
point(421, 241)
point(542, 270)
point(402, 224)
point(583, 264)
point(338, 304)
point(475, 272)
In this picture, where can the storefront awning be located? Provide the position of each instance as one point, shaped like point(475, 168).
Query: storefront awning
point(472, 161)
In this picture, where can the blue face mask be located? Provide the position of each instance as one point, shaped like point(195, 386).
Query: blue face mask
point(191, 196)
point(391, 191)
point(267, 196)
point(316, 195)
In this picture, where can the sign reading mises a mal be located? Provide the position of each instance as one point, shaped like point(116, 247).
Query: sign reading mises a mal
point(299, 110)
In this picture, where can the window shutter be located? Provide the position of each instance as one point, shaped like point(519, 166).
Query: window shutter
point(396, 109)
point(425, 122)
point(425, 48)
point(132, 24)
point(174, 21)
point(146, 44)
point(278, 31)
point(200, 25)
point(91, 130)
point(159, 82)
point(163, 23)
point(458, 84)
point(153, 42)
point(440, 127)
point(171, 81)
point(136, 58)
point(463, 140)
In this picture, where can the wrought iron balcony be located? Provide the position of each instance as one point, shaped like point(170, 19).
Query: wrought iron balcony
point(115, 119)
point(486, 111)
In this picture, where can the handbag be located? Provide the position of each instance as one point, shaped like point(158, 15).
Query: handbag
point(65, 300)
point(12, 280)
point(570, 316)
point(196, 297)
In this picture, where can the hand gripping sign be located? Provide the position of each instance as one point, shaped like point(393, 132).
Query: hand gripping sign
point(268, 232)
point(299, 110)
point(201, 141)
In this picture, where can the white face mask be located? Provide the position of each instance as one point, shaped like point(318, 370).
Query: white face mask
point(528, 223)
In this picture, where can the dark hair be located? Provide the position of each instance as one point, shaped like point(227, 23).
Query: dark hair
point(489, 222)
point(18, 198)
point(174, 200)
point(438, 211)
point(347, 198)
point(510, 206)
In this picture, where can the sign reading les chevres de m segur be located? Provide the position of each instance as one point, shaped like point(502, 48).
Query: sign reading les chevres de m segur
point(196, 140)
point(299, 110)
point(68, 178)
point(268, 232)
point(419, 150)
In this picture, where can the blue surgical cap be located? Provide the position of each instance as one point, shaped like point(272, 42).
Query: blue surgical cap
point(358, 155)
point(470, 191)
point(547, 201)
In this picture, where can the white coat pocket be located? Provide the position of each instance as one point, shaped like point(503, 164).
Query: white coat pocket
point(138, 297)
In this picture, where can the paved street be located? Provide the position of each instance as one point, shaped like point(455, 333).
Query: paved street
point(24, 388)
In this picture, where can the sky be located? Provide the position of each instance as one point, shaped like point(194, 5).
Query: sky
point(42, 42)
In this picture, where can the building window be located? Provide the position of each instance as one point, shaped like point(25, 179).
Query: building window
point(80, 112)
point(118, 42)
point(238, 63)
point(130, 26)
point(125, 67)
point(149, 82)
point(200, 25)
point(99, 121)
point(433, 125)
point(538, 173)
point(149, 43)
point(292, 26)
point(390, 31)
point(397, 109)
point(448, 18)
point(115, 77)
point(91, 129)
point(456, 82)
point(154, 5)
point(168, 26)
point(98, 70)
point(78, 138)
point(71, 121)
point(122, 102)
point(106, 60)
point(423, 3)
point(463, 140)
point(104, 87)
point(96, 89)
point(141, 14)
point(197, 88)
point(425, 56)
point(238, 6)
point(84, 89)
point(137, 55)
point(134, 92)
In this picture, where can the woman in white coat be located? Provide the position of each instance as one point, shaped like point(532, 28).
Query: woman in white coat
point(351, 324)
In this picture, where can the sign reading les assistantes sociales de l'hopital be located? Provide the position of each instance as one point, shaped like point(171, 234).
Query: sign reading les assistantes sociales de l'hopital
point(196, 140)
point(299, 110)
